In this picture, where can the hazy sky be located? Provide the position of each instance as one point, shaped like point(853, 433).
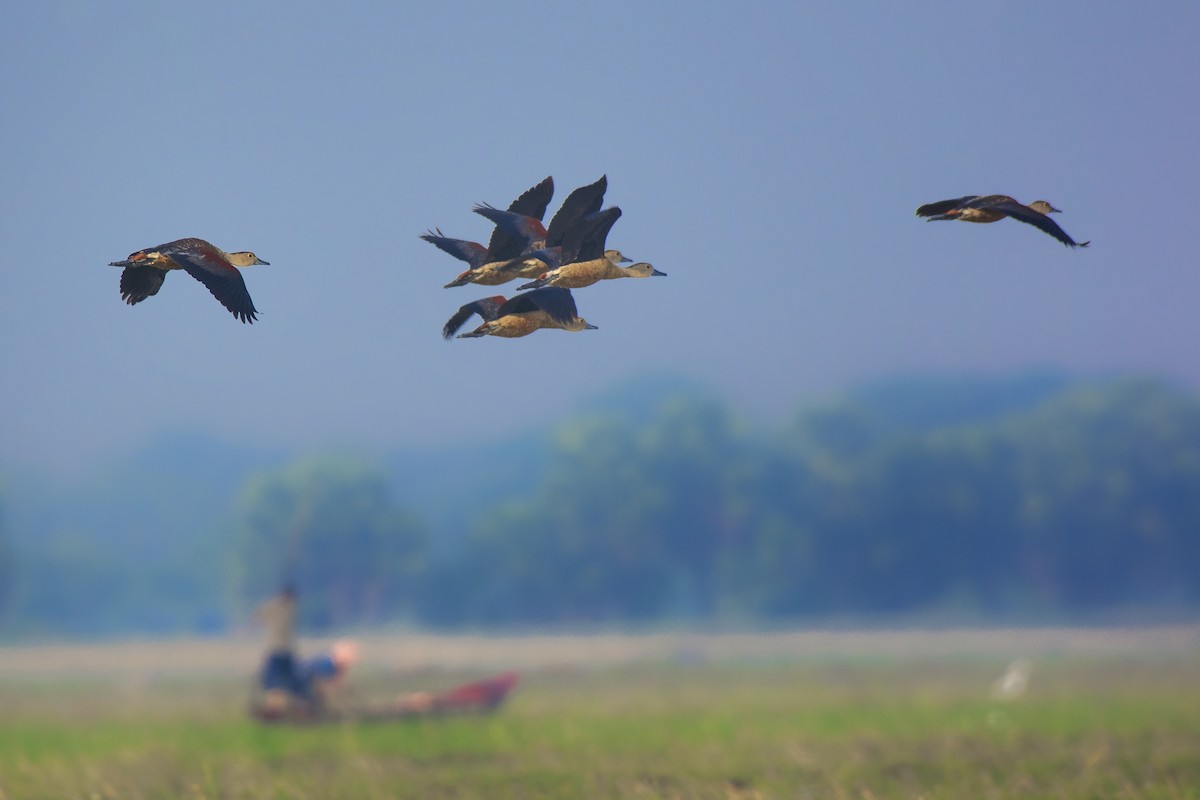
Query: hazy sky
point(768, 159)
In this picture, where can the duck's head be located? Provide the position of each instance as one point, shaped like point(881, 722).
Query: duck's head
point(1043, 207)
point(580, 324)
point(616, 257)
point(643, 270)
point(244, 258)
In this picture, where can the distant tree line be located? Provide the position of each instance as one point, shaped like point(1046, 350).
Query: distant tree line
point(6, 560)
point(1088, 502)
point(1083, 502)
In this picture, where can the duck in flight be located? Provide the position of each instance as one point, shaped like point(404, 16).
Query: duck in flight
point(536, 262)
point(591, 262)
point(519, 316)
point(145, 271)
point(993, 207)
point(486, 268)
point(504, 248)
point(518, 231)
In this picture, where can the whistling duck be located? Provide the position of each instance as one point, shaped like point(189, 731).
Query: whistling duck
point(592, 262)
point(535, 262)
point(993, 207)
point(520, 315)
point(485, 269)
point(145, 271)
point(519, 231)
point(502, 245)
point(522, 235)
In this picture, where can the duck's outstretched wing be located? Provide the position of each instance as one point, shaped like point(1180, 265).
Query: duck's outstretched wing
point(942, 206)
point(586, 241)
point(581, 203)
point(507, 242)
point(534, 201)
point(1039, 220)
point(206, 264)
point(138, 283)
point(558, 304)
point(518, 232)
point(488, 308)
point(471, 252)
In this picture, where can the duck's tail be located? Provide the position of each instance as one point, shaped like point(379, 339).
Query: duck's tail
point(939, 209)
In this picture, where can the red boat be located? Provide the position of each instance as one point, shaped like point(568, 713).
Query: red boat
point(479, 697)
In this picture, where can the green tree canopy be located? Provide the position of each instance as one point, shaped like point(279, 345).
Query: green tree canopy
point(329, 526)
point(1088, 500)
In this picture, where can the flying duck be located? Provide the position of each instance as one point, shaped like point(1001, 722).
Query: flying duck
point(993, 207)
point(592, 262)
point(519, 316)
point(145, 271)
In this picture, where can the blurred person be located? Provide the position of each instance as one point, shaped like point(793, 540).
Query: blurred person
point(280, 679)
point(323, 677)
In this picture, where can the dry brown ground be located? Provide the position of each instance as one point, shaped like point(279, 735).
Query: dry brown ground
point(388, 652)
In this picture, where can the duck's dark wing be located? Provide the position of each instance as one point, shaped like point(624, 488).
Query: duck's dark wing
point(471, 252)
point(204, 263)
point(487, 308)
point(1038, 220)
point(505, 242)
point(558, 304)
point(942, 206)
point(595, 233)
point(534, 201)
point(518, 232)
point(138, 283)
point(583, 202)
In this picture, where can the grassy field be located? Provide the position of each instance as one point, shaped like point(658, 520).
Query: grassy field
point(1121, 721)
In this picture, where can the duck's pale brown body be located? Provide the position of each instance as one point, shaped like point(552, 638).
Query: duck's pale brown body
point(585, 273)
point(514, 326)
point(498, 272)
point(979, 215)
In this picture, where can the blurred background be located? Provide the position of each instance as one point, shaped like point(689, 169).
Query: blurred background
point(829, 410)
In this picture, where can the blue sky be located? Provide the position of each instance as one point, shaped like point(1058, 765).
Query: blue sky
point(769, 159)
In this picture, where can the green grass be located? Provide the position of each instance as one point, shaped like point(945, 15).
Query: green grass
point(851, 728)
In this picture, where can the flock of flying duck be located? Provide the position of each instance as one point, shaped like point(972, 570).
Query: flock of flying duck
point(571, 253)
